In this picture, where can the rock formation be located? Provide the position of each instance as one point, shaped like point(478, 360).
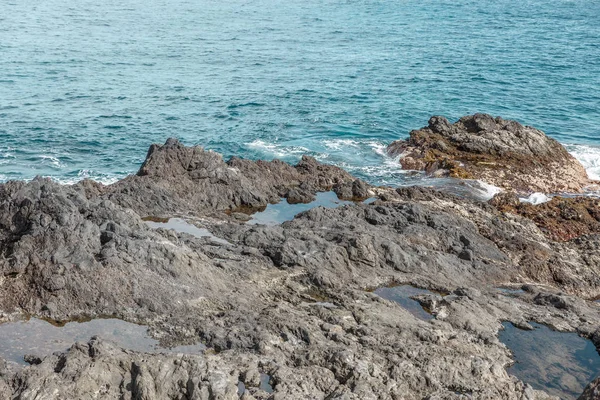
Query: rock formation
point(561, 219)
point(500, 152)
point(291, 301)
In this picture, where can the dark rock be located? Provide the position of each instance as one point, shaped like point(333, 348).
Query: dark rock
point(262, 303)
point(561, 219)
point(592, 391)
point(357, 190)
point(176, 178)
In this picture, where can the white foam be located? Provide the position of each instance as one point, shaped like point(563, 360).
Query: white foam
point(277, 150)
point(53, 160)
point(484, 190)
point(536, 198)
point(105, 179)
point(338, 144)
point(588, 156)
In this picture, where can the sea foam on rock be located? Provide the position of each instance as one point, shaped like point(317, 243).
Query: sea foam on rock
point(500, 152)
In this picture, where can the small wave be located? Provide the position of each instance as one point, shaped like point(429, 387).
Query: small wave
point(588, 156)
point(486, 190)
point(54, 161)
point(115, 116)
point(106, 179)
point(338, 144)
point(249, 104)
point(277, 150)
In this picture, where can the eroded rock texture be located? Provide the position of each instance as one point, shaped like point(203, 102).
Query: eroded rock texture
point(290, 301)
point(500, 152)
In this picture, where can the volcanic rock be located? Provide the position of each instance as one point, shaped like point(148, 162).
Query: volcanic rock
point(499, 152)
point(292, 300)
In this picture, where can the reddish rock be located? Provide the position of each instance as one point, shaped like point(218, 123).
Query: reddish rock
point(500, 152)
point(561, 219)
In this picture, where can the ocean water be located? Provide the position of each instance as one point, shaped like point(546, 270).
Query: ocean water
point(87, 86)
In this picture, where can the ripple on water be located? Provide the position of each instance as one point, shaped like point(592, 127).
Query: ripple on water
point(559, 363)
point(41, 338)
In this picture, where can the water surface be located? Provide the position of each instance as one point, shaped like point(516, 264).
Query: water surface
point(86, 86)
point(275, 214)
point(403, 295)
point(41, 338)
point(182, 226)
point(559, 363)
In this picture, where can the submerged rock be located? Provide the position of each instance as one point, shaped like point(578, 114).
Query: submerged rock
point(499, 152)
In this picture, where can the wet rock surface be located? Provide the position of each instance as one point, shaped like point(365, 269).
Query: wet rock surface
point(561, 219)
point(500, 152)
point(291, 301)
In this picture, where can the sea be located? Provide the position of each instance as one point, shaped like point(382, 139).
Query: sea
point(87, 86)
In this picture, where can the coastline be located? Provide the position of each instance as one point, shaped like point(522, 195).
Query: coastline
point(292, 301)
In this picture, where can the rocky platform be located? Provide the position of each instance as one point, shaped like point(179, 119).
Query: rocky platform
point(500, 152)
point(292, 301)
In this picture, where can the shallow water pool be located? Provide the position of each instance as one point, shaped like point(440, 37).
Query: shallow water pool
point(182, 226)
point(41, 338)
point(276, 214)
point(402, 295)
point(559, 363)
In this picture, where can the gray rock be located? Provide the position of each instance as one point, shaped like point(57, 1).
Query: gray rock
point(70, 252)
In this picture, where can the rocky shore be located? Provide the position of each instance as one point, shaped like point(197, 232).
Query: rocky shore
point(295, 302)
point(500, 152)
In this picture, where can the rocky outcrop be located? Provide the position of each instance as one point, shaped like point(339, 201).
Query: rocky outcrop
point(100, 370)
point(500, 152)
point(592, 391)
point(290, 301)
point(176, 178)
point(560, 219)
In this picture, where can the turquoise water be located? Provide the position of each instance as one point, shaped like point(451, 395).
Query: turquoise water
point(86, 86)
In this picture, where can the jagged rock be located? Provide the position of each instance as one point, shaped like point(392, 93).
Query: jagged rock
point(289, 300)
point(592, 391)
point(176, 178)
point(100, 370)
point(500, 152)
point(356, 190)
